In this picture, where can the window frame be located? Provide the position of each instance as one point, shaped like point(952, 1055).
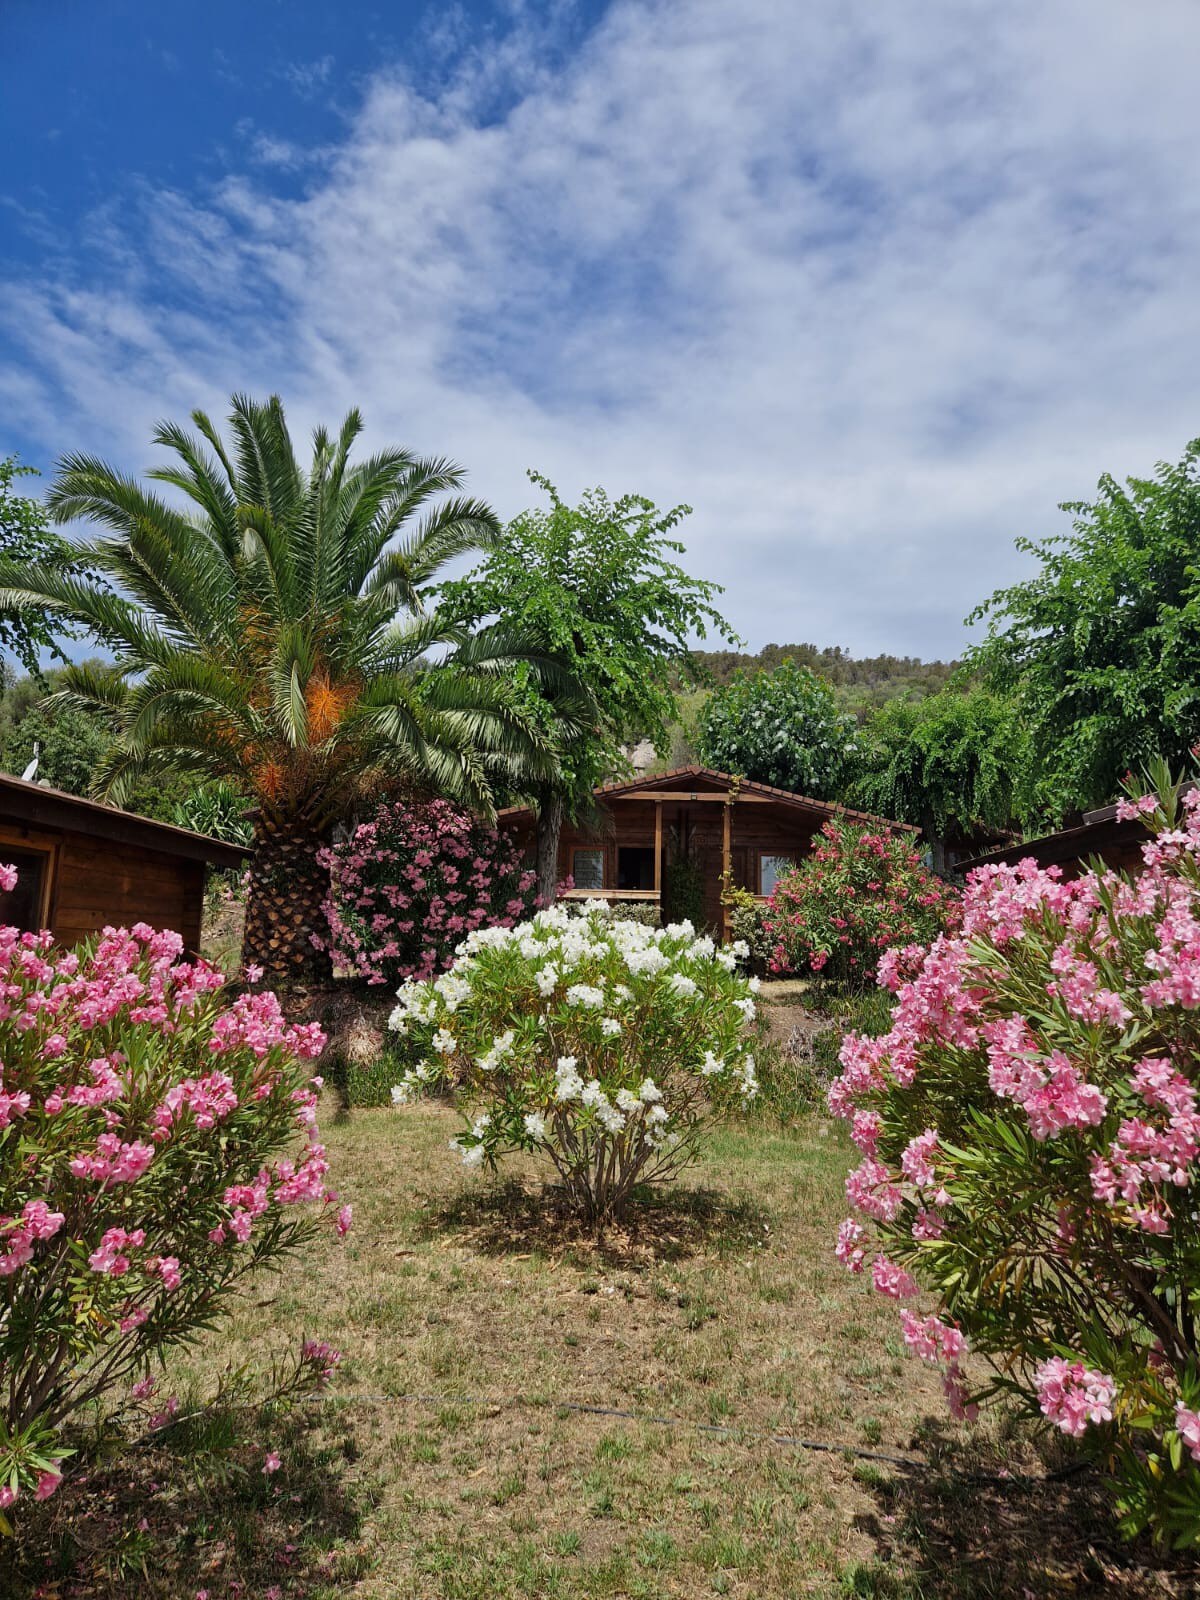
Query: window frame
point(40, 845)
point(590, 850)
point(772, 855)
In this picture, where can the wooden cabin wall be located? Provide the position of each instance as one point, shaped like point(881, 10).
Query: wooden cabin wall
point(100, 882)
point(755, 829)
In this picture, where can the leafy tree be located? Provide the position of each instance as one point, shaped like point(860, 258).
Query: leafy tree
point(952, 764)
point(780, 727)
point(594, 587)
point(25, 536)
point(1101, 647)
point(272, 633)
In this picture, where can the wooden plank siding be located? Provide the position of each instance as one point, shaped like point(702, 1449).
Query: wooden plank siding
point(102, 866)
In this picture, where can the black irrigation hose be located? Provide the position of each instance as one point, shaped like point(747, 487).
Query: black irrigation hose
point(1012, 1479)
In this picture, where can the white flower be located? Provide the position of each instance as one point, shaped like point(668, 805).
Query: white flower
point(754, 985)
point(747, 1008)
point(611, 1118)
point(628, 1101)
point(740, 949)
point(712, 1064)
point(401, 1094)
point(680, 930)
point(703, 946)
point(569, 1084)
point(656, 1114)
point(535, 1126)
point(501, 1045)
point(594, 1095)
point(610, 1027)
point(646, 961)
point(726, 960)
point(585, 994)
point(546, 977)
point(649, 1091)
point(682, 984)
point(443, 1042)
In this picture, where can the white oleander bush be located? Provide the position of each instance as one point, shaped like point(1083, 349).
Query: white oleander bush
point(604, 1045)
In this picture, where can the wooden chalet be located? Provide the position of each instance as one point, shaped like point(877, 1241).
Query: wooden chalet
point(730, 829)
point(82, 865)
point(1101, 835)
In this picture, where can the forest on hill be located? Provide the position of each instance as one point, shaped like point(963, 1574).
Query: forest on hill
point(860, 683)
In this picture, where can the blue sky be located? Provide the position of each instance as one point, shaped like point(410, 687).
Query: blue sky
point(871, 287)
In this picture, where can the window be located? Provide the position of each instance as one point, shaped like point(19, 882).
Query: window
point(770, 870)
point(587, 868)
point(23, 907)
point(635, 867)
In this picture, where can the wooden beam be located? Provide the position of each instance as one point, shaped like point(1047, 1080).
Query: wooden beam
point(609, 894)
point(657, 849)
point(726, 867)
point(687, 794)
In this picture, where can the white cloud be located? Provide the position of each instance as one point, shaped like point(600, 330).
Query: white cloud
point(872, 287)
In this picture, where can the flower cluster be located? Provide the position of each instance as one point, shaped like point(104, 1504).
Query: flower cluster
point(861, 892)
point(409, 885)
point(605, 1045)
point(156, 1145)
point(1030, 1143)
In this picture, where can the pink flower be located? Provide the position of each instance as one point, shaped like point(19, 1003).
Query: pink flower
point(47, 1483)
point(892, 1280)
point(8, 878)
point(271, 1463)
point(143, 1388)
point(344, 1218)
point(7, 1495)
point(1187, 1425)
point(1072, 1395)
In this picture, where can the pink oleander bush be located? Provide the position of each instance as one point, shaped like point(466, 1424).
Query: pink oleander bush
point(408, 887)
point(860, 892)
point(1030, 1142)
point(158, 1144)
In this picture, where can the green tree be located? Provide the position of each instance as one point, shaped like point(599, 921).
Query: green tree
point(781, 727)
point(272, 633)
point(1101, 647)
point(594, 587)
point(25, 536)
point(953, 764)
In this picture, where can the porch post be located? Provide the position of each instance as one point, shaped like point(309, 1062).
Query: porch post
point(658, 853)
point(726, 869)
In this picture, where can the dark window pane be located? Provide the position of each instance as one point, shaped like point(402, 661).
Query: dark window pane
point(22, 907)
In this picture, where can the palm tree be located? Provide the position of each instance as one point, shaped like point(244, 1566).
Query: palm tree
point(270, 630)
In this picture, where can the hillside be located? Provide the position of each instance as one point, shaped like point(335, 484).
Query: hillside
point(860, 682)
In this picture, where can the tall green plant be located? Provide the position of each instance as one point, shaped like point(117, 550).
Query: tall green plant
point(594, 586)
point(1101, 646)
point(781, 727)
point(272, 632)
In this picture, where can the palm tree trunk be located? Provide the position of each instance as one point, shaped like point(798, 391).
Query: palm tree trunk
point(284, 903)
point(549, 830)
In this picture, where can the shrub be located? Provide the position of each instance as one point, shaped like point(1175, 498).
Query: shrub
point(605, 1046)
point(780, 727)
point(747, 923)
point(1030, 1139)
point(408, 885)
point(861, 892)
point(148, 1165)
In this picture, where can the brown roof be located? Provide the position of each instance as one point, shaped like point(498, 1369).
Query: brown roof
point(1099, 830)
point(826, 808)
point(40, 806)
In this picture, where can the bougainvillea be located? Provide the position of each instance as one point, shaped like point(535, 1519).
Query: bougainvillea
point(1030, 1143)
point(409, 885)
point(604, 1045)
point(860, 892)
point(157, 1145)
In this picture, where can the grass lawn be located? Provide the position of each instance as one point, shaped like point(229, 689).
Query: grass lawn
point(456, 1455)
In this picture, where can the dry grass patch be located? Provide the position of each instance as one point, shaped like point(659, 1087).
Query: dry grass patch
point(455, 1456)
